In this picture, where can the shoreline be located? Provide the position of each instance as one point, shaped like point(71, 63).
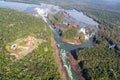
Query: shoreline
point(75, 66)
point(73, 43)
point(61, 68)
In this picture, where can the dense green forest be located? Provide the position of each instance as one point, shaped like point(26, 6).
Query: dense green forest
point(100, 62)
point(57, 18)
point(71, 34)
point(40, 64)
point(97, 63)
point(109, 24)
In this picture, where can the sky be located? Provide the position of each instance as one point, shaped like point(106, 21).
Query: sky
point(112, 0)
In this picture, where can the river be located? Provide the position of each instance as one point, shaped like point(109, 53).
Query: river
point(63, 47)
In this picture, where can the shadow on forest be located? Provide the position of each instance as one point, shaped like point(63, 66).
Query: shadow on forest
point(84, 71)
point(81, 64)
point(74, 54)
point(85, 74)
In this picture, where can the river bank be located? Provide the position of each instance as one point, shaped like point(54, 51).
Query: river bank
point(61, 69)
point(64, 66)
point(73, 43)
point(75, 66)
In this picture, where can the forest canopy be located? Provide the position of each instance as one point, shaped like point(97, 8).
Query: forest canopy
point(40, 64)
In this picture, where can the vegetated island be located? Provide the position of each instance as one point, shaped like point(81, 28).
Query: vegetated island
point(102, 61)
point(69, 31)
point(72, 35)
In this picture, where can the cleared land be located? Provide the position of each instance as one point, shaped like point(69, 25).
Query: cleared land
point(40, 64)
point(21, 47)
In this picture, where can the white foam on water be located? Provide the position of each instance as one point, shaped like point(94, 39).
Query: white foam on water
point(43, 10)
point(81, 17)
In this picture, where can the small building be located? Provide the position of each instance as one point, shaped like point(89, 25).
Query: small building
point(112, 46)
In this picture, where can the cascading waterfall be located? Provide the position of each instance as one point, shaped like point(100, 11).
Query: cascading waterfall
point(64, 48)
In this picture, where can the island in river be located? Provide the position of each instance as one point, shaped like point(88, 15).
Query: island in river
point(70, 29)
point(47, 13)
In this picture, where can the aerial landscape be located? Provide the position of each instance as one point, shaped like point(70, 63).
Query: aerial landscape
point(59, 40)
